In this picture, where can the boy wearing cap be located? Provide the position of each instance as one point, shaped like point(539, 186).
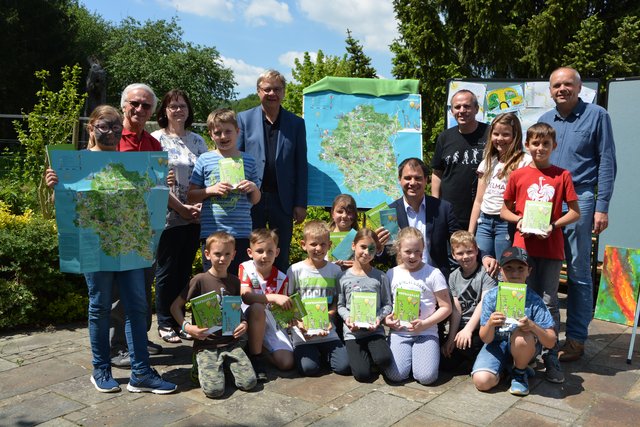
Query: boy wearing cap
point(512, 350)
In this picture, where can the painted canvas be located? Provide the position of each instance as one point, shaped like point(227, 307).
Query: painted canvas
point(619, 284)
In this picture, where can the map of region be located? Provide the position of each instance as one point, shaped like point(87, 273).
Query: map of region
point(355, 143)
point(117, 193)
point(364, 127)
point(110, 208)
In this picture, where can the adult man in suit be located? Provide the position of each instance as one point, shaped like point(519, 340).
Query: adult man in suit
point(587, 150)
point(277, 139)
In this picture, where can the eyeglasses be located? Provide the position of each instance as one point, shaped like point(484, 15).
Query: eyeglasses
point(269, 89)
point(173, 108)
point(137, 104)
point(105, 127)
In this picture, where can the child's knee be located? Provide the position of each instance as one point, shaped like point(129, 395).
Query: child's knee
point(484, 380)
point(283, 360)
point(308, 368)
point(426, 377)
point(212, 388)
point(246, 383)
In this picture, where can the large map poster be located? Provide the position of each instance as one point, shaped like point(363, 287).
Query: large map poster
point(110, 208)
point(358, 132)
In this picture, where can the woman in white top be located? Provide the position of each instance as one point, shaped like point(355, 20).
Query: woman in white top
point(502, 155)
point(180, 239)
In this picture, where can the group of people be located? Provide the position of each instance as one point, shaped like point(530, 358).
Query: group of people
point(451, 247)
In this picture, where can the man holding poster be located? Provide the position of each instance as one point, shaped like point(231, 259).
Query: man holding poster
point(587, 150)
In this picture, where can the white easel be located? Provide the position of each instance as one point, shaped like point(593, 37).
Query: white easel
point(633, 332)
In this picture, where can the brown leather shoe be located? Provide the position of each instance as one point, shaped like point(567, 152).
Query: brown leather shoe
point(571, 351)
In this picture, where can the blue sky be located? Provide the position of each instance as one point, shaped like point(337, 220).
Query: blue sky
point(253, 35)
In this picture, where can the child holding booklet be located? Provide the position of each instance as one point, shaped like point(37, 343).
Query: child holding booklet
point(344, 218)
point(416, 347)
point(225, 207)
point(312, 278)
point(215, 353)
point(543, 182)
point(512, 350)
point(366, 346)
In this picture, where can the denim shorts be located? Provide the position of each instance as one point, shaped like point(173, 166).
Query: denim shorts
point(496, 356)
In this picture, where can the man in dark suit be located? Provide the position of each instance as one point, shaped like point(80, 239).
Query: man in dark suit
point(433, 217)
point(277, 139)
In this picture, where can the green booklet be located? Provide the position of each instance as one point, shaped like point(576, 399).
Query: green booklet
point(336, 237)
point(317, 318)
point(231, 170)
point(206, 311)
point(363, 310)
point(537, 217)
point(373, 216)
point(282, 317)
point(344, 250)
point(389, 220)
point(406, 306)
point(510, 302)
point(231, 313)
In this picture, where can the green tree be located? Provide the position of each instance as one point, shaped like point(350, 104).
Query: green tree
point(359, 63)
point(154, 53)
point(51, 122)
point(441, 39)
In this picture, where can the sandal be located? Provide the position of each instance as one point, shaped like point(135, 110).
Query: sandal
point(185, 335)
point(169, 335)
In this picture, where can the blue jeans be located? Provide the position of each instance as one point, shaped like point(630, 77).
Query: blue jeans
point(544, 280)
point(492, 235)
point(577, 248)
point(132, 292)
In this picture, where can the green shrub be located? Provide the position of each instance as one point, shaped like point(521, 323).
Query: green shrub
point(29, 266)
point(16, 302)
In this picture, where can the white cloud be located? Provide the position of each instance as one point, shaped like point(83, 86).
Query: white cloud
point(222, 10)
point(258, 12)
point(245, 75)
point(288, 58)
point(372, 22)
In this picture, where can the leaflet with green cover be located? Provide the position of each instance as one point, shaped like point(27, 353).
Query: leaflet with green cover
point(389, 220)
point(336, 237)
point(363, 309)
point(537, 217)
point(344, 250)
point(231, 313)
point(406, 306)
point(231, 170)
point(510, 302)
point(206, 311)
point(373, 216)
point(282, 317)
point(317, 318)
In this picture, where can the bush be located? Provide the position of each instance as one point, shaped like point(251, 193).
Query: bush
point(34, 291)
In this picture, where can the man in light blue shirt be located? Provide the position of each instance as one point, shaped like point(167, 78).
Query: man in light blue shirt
point(587, 150)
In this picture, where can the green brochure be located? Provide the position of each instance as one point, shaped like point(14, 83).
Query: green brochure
point(282, 317)
point(206, 311)
point(406, 306)
point(373, 216)
point(537, 217)
point(336, 237)
point(344, 250)
point(510, 302)
point(317, 318)
point(231, 170)
point(363, 310)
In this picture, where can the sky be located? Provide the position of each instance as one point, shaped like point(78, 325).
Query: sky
point(254, 35)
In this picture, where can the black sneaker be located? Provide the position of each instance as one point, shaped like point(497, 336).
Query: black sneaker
point(257, 361)
point(122, 360)
point(153, 348)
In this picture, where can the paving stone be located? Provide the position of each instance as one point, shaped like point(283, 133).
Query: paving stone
point(311, 417)
point(634, 392)
point(202, 419)
point(455, 403)
point(623, 341)
point(42, 374)
point(413, 394)
point(5, 365)
point(616, 358)
point(555, 414)
point(611, 411)
point(569, 397)
point(263, 408)
point(523, 417)
point(314, 389)
point(375, 408)
point(58, 422)
point(420, 418)
point(606, 380)
point(39, 409)
point(82, 390)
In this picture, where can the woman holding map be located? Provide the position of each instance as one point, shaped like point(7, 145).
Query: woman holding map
point(105, 129)
point(180, 239)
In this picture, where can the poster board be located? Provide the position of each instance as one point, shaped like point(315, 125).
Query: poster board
point(619, 283)
point(358, 132)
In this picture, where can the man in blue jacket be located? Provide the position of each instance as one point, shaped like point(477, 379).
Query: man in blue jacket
point(587, 150)
point(277, 139)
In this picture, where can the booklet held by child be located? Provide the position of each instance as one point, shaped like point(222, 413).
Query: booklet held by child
point(343, 250)
point(206, 311)
point(406, 306)
point(537, 217)
point(363, 311)
point(510, 302)
point(231, 313)
point(231, 170)
point(317, 319)
point(282, 317)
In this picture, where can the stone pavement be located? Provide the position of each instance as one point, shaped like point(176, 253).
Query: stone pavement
point(44, 378)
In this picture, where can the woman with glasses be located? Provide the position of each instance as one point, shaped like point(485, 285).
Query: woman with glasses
point(180, 239)
point(105, 129)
